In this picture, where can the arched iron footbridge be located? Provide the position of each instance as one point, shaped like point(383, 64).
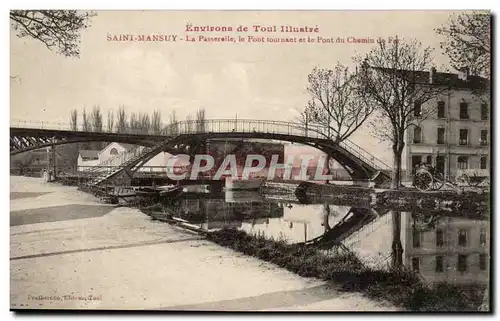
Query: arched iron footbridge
point(188, 136)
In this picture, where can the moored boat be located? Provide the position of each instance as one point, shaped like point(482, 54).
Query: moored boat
point(243, 184)
point(198, 189)
point(169, 190)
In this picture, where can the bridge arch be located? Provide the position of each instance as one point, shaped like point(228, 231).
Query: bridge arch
point(355, 167)
point(359, 163)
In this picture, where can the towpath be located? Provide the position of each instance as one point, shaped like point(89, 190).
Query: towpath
point(69, 251)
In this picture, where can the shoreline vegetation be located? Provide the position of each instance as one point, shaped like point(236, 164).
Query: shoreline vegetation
point(400, 287)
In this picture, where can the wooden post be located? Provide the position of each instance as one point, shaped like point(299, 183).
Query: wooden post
point(307, 121)
point(54, 156)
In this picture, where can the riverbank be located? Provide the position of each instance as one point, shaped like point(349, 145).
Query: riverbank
point(402, 288)
point(66, 245)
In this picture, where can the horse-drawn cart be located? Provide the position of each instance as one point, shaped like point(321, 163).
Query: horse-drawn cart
point(474, 177)
point(428, 179)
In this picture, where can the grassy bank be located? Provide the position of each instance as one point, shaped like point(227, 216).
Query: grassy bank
point(402, 288)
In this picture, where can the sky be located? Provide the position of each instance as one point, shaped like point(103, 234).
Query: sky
point(250, 80)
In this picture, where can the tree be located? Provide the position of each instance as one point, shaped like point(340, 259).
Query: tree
point(122, 124)
point(54, 28)
point(110, 121)
point(134, 124)
point(97, 126)
point(173, 126)
point(145, 123)
point(72, 149)
point(96, 117)
point(394, 80)
point(86, 127)
point(156, 123)
point(335, 106)
point(86, 122)
point(201, 120)
point(468, 42)
point(189, 123)
point(74, 120)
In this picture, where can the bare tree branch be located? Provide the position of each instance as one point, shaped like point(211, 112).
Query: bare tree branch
point(395, 80)
point(335, 104)
point(468, 42)
point(58, 29)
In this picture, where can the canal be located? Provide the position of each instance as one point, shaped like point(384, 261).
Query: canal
point(441, 242)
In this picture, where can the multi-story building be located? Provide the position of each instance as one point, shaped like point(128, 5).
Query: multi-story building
point(455, 135)
point(455, 251)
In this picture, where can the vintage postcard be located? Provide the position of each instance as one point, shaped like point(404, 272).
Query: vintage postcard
point(250, 160)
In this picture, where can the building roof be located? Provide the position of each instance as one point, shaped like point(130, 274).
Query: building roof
point(125, 146)
point(89, 154)
point(443, 79)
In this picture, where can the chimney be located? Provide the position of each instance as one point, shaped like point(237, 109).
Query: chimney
point(432, 75)
point(463, 73)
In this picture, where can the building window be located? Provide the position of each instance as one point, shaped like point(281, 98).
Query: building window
point(462, 263)
point(417, 109)
point(484, 162)
point(416, 237)
point(415, 160)
point(463, 137)
point(463, 162)
point(439, 237)
point(440, 164)
point(462, 237)
point(440, 109)
point(484, 111)
point(417, 135)
point(482, 262)
point(428, 160)
point(113, 151)
point(482, 237)
point(484, 138)
point(440, 134)
point(439, 264)
point(415, 264)
point(464, 110)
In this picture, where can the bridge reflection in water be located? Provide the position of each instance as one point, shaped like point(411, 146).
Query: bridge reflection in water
point(440, 245)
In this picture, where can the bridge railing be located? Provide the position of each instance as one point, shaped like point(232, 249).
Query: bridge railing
point(19, 123)
point(273, 127)
point(118, 159)
point(224, 126)
point(367, 157)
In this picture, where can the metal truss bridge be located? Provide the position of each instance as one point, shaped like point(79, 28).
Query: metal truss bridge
point(190, 137)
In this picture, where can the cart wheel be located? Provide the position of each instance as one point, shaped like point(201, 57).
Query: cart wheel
point(438, 181)
point(424, 181)
point(465, 179)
